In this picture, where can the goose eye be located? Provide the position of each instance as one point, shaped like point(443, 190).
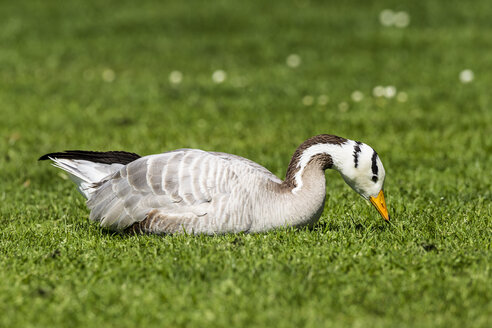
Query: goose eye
point(374, 179)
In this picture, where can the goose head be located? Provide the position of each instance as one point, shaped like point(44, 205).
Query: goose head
point(364, 172)
point(358, 164)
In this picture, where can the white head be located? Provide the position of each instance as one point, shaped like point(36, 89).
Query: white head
point(361, 168)
point(363, 171)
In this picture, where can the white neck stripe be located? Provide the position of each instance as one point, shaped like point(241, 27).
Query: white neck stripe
point(323, 148)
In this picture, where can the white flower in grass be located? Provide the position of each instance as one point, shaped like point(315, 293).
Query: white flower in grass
point(466, 76)
point(387, 17)
point(219, 76)
point(357, 96)
point(402, 96)
point(308, 100)
point(389, 91)
point(378, 91)
point(293, 60)
point(175, 77)
point(108, 75)
point(401, 19)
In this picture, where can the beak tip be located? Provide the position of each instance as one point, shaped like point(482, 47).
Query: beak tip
point(380, 204)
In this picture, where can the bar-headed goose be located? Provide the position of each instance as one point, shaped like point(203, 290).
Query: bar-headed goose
point(209, 192)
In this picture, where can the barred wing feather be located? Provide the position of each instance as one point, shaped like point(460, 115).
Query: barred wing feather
point(198, 188)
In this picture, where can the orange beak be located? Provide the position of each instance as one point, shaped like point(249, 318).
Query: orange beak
point(380, 204)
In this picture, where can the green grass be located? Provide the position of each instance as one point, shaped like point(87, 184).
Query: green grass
point(430, 267)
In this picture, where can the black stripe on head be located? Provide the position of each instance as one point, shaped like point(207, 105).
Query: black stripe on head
point(356, 153)
point(374, 167)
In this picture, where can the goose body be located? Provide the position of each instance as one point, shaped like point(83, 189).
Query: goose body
point(201, 192)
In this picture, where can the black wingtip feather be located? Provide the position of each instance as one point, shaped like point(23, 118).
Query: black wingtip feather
point(104, 157)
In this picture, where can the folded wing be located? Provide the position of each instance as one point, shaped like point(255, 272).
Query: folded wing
point(197, 189)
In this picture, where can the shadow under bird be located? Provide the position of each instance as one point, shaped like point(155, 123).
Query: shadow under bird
point(202, 192)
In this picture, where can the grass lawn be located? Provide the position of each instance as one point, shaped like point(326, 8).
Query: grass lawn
point(96, 75)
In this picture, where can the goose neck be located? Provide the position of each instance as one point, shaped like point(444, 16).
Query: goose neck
point(321, 153)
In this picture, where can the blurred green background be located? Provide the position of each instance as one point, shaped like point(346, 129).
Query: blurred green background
point(253, 78)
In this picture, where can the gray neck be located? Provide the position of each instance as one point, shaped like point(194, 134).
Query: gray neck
point(307, 203)
point(299, 200)
point(280, 207)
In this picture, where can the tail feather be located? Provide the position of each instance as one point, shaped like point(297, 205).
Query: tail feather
point(87, 168)
point(103, 157)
